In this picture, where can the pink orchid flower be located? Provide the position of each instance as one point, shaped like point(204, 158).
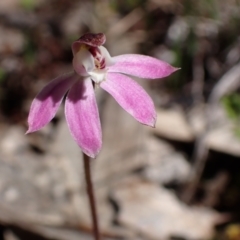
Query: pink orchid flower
point(93, 65)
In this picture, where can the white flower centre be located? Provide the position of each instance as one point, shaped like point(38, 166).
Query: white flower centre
point(92, 63)
point(98, 75)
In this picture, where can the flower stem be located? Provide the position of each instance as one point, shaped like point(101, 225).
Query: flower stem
point(91, 197)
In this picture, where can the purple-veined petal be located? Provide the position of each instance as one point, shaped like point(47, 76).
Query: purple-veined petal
point(83, 118)
point(141, 66)
point(131, 97)
point(48, 100)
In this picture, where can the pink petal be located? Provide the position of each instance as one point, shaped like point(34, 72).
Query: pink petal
point(48, 100)
point(131, 96)
point(83, 118)
point(141, 66)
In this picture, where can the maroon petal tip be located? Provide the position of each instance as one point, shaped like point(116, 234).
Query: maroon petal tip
point(92, 39)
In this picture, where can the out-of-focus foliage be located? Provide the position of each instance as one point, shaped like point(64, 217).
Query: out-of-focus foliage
point(29, 53)
point(126, 6)
point(28, 4)
point(2, 74)
point(203, 36)
point(231, 104)
point(230, 232)
point(233, 232)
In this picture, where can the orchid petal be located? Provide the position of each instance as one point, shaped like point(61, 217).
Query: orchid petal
point(48, 100)
point(131, 97)
point(141, 66)
point(83, 118)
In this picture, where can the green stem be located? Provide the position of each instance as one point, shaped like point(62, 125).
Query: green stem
point(91, 197)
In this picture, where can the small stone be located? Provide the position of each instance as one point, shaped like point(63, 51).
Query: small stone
point(11, 40)
point(9, 6)
point(173, 168)
point(9, 235)
point(156, 213)
point(11, 195)
point(223, 139)
point(164, 164)
point(171, 124)
point(197, 119)
point(13, 141)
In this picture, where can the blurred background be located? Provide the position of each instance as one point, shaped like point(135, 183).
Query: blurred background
point(179, 181)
